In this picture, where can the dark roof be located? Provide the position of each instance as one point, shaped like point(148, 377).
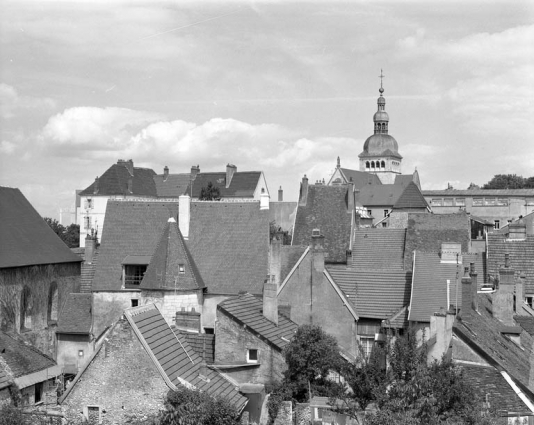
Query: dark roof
point(173, 186)
point(521, 257)
point(164, 269)
point(375, 294)
point(175, 358)
point(378, 248)
point(131, 228)
point(26, 239)
point(429, 287)
point(5, 380)
point(114, 181)
point(481, 332)
point(326, 210)
point(384, 195)
point(359, 178)
point(203, 344)
point(229, 242)
point(76, 316)
point(242, 185)
point(247, 310)
point(289, 255)
point(527, 323)
point(404, 179)
point(22, 359)
point(411, 198)
point(480, 192)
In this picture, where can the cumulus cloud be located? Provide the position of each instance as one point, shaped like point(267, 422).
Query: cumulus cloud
point(11, 102)
point(7, 147)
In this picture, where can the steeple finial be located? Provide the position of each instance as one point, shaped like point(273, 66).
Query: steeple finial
point(338, 162)
point(381, 76)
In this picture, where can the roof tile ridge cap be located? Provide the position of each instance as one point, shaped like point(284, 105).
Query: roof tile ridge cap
point(135, 311)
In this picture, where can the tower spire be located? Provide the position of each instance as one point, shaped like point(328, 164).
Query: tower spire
point(381, 117)
point(381, 76)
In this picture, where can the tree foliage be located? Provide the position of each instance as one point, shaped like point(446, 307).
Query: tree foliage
point(210, 193)
point(509, 181)
point(69, 234)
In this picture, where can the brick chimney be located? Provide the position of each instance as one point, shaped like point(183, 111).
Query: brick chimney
point(96, 187)
point(280, 195)
point(317, 247)
point(503, 299)
point(303, 191)
point(474, 285)
point(194, 171)
point(230, 171)
point(165, 173)
point(467, 295)
point(184, 215)
point(264, 199)
point(270, 301)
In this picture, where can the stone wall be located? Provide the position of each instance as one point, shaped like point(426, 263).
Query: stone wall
point(68, 351)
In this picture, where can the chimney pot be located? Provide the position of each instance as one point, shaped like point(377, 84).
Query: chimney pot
point(194, 171)
point(303, 191)
point(96, 187)
point(280, 195)
point(165, 173)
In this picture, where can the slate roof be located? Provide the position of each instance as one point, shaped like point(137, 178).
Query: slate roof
point(521, 257)
point(175, 358)
point(173, 186)
point(229, 242)
point(76, 315)
point(289, 257)
point(114, 181)
point(242, 185)
point(411, 198)
point(480, 192)
point(384, 195)
point(375, 294)
point(527, 323)
point(26, 239)
point(326, 210)
point(378, 248)
point(360, 178)
point(22, 359)
point(163, 271)
point(247, 310)
point(481, 332)
point(203, 344)
point(131, 228)
point(429, 284)
point(403, 179)
point(5, 380)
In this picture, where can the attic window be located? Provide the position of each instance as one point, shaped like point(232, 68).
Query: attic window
point(252, 355)
point(133, 274)
point(181, 268)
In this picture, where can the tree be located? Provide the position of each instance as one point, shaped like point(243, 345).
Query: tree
point(70, 234)
point(509, 181)
point(210, 193)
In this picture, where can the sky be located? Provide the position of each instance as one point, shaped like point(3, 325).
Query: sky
point(277, 86)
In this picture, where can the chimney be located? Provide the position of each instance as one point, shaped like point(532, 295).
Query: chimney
point(96, 187)
point(474, 285)
point(90, 247)
point(318, 250)
point(270, 301)
point(338, 163)
point(304, 191)
point(441, 327)
point(165, 173)
point(203, 370)
point(280, 195)
point(519, 288)
point(350, 197)
point(130, 184)
point(184, 215)
point(275, 263)
point(506, 273)
point(128, 164)
point(230, 171)
point(264, 199)
point(467, 295)
point(194, 171)
point(503, 299)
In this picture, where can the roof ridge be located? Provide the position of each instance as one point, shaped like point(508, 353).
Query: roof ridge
point(134, 311)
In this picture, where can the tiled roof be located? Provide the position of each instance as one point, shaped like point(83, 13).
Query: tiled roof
point(375, 294)
point(480, 192)
point(411, 198)
point(527, 323)
point(172, 253)
point(230, 245)
point(5, 380)
point(326, 210)
point(88, 274)
point(173, 186)
point(521, 257)
point(26, 239)
point(131, 228)
point(487, 381)
point(242, 185)
point(481, 332)
point(175, 358)
point(203, 344)
point(76, 315)
point(378, 248)
point(114, 181)
point(247, 310)
point(289, 257)
point(404, 179)
point(384, 195)
point(360, 178)
point(22, 359)
point(429, 287)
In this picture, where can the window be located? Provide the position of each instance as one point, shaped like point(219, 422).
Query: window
point(80, 353)
point(87, 222)
point(460, 202)
point(367, 165)
point(491, 201)
point(497, 224)
point(502, 201)
point(386, 212)
point(447, 202)
point(370, 213)
point(437, 202)
point(209, 331)
point(383, 164)
point(181, 268)
point(133, 274)
point(510, 221)
point(26, 305)
point(38, 392)
point(88, 204)
point(135, 302)
point(52, 302)
point(372, 164)
point(252, 355)
point(366, 344)
point(478, 202)
point(384, 224)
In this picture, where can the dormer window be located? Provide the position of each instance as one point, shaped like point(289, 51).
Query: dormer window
point(133, 269)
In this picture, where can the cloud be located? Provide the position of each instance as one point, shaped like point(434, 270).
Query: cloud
point(7, 147)
point(11, 102)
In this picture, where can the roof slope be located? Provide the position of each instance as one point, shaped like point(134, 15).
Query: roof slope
point(114, 181)
point(76, 315)
point(521, 256)
point(172, 186)
point(247, 310)
point(5, 380)
point(378, 248)
point(22, 359)
point(527, 323)
point(429, 287)
point(359, 178)
point(411, 198)
point(131, 228)
point(171, 254)
point(480, 192)
point(384, 195)
point(230, 244)
point(375, 294)
point(326, 210)
point(203, 344)
point(175, 358)
point(26, 238)
point(242, 185)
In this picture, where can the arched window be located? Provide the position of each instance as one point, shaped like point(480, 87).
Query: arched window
point(383, 164)
point(26, 305)
point(367, 165)
point(52, 302)
point(372, 164)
